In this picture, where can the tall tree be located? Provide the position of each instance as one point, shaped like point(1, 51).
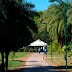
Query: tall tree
point(15, 21)
point(55, 16)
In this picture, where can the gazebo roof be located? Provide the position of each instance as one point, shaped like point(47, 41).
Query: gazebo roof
point(38, 43)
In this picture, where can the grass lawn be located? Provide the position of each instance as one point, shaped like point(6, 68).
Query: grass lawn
point(20, 54)
point(14, 64)
point(58, 60)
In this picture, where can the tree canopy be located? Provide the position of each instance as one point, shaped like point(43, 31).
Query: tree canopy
point(54, 16)
point(16, 23)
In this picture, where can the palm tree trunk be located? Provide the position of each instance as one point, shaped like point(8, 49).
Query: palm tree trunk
point(61, 42)
point(71, 34)
point(2, 65)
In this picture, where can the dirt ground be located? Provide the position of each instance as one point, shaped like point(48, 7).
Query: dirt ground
point(53, 64)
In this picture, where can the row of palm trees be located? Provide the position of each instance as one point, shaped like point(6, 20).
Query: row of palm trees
point(55, 15)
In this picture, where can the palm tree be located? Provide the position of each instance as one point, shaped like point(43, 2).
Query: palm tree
point(69, 23)
point(56, 14)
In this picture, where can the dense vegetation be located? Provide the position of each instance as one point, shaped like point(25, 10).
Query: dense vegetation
point(20, 25)
point(54, 16)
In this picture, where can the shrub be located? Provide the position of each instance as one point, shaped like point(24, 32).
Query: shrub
point(24, 48)
point(36, 49)
point(69, 49)
point(12, 54)
point(55, 47)
point(31, 49)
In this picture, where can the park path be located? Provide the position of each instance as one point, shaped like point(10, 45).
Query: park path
point(35, 63)
point(36, 60)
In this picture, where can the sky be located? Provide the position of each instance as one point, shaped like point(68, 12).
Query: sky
point(40, 5)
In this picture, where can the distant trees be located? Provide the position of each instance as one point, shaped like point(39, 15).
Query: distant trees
point(16, 21)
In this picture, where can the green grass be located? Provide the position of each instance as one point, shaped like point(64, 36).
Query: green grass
point(59, 60)
point(20, 54)
point(14, 64)
point(55, 55)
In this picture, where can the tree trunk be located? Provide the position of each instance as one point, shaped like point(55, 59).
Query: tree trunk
point(61, 42)
point(6, 61)
point(2, 65)
point(71, 34)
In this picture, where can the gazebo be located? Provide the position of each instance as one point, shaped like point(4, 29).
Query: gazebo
point(38, 43)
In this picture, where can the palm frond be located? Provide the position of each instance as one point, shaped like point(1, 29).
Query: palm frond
point(69, 20)
point(69, 12)
point(60, 25)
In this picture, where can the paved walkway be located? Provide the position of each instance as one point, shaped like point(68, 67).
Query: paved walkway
point(35, 63)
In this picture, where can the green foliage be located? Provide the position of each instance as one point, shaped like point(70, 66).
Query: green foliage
point(13, 64)
point(55, 47)
point(31, 49)
point(69, 48)
point(40, 13)
point(12, 54)
point(15, 21)
point(36, 50)
point(55, 15)
point(63, 49)
point(20, 54)
point(24, 48)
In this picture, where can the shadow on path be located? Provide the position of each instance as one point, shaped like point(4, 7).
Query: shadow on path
point(42, 69)
point(25, 61)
